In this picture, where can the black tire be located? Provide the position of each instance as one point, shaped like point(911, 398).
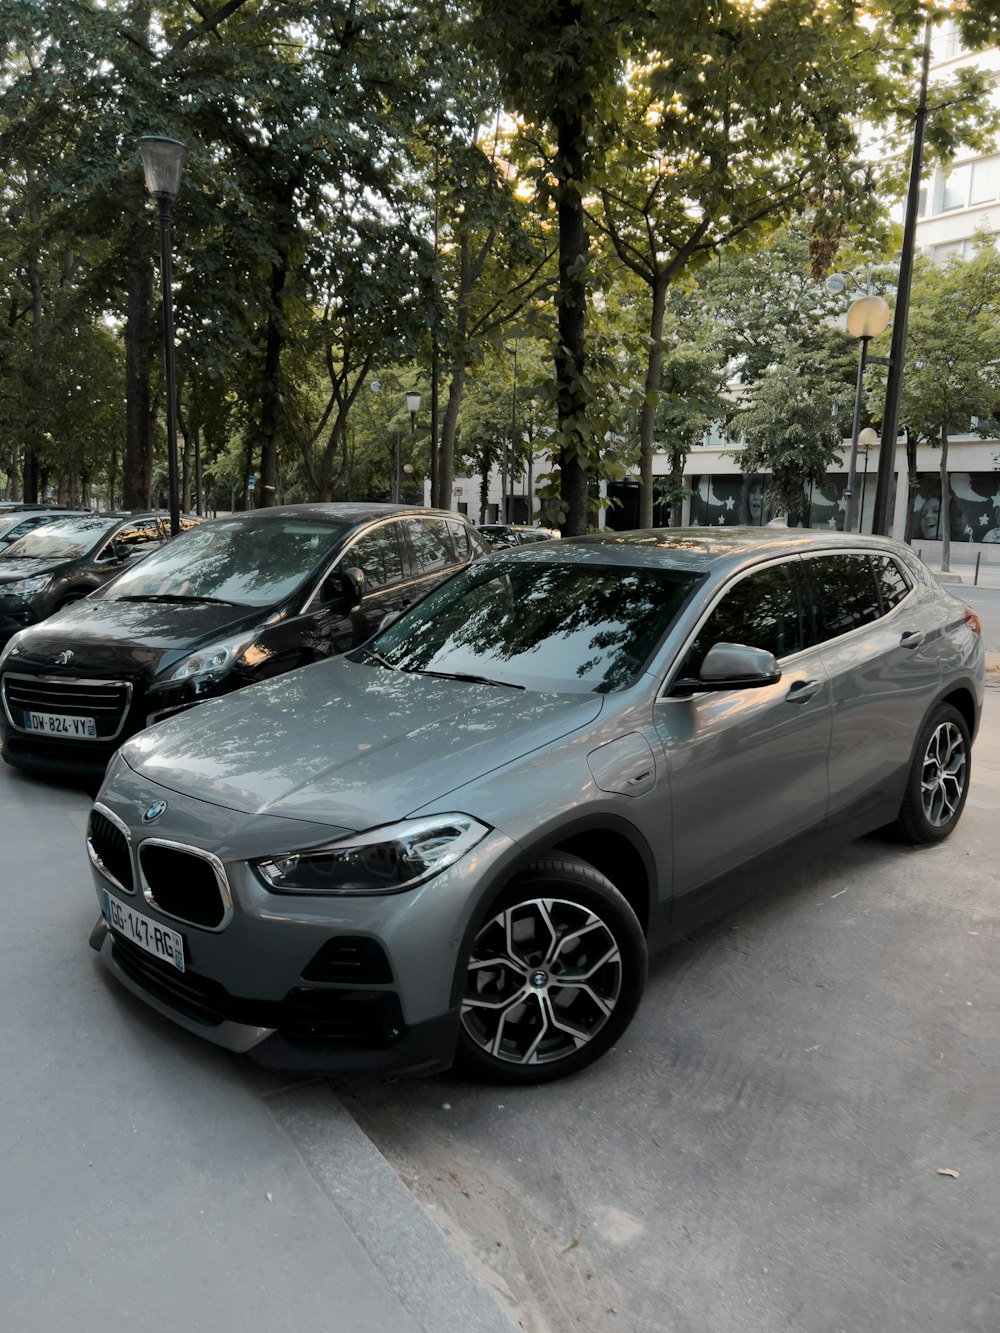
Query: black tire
point(70, 598)
point(938, 781)
point(559, 917)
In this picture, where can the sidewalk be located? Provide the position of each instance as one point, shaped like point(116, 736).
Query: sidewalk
point(152, 1179)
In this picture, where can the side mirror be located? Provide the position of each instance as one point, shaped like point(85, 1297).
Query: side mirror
point(354, 584)
point(388, 619)
point(732, 666)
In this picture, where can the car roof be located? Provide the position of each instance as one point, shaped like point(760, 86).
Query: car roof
point(338, 513)
point(701, 550)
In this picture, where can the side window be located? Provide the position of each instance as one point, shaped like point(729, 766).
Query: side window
point(846, 593)
point(431, 542)
point(893, 585)
point(761, 611)
point(136, 538)
point(378, 555)
point(460, 538)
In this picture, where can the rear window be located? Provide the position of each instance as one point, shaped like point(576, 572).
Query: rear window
point(847, 596)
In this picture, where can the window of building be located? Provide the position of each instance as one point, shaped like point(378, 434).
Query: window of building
point(985, 181)
point(956, 189)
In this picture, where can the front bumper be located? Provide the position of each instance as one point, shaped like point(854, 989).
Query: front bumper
point(297, 982)
point(422, 1048)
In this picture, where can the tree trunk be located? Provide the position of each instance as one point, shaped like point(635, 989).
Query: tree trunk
point(275, 337)
point(137, 471)
point(945, 506)
point(571, 397)
point(446, 450)
point(647, 418)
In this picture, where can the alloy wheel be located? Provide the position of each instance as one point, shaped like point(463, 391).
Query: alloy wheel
point(543, 978)
point(943, 777)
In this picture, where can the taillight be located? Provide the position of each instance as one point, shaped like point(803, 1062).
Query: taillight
point(973, 621)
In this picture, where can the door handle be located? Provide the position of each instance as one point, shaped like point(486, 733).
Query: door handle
point(913, 638)
point(801, 690)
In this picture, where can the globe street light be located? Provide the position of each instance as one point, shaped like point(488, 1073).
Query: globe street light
point(867, 317)
point(162, 162)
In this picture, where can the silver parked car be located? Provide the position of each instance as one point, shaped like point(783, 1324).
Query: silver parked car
point(460, 840)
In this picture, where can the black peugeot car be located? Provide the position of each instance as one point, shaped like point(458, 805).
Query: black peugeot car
point(60, 562)
point(232, 602)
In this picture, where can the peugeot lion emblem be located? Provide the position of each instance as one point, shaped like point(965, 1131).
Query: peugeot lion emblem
point(154, 812)
point(64, 658)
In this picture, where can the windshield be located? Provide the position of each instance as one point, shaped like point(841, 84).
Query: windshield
point(246, 562)
point(66, 540)
point(540, 625)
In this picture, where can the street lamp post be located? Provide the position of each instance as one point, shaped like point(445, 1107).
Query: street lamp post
point(162, 162)
point(867, 317)
point(867, 441)
point(413, 407)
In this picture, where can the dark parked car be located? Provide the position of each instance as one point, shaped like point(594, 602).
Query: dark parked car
point(15, 523)
point(65, 560)
point(235, 601)
point(461, 840)
point(500, 535)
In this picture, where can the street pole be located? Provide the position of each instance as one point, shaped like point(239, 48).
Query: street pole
point(897, 349)
point(513, 440)
point(166, 280)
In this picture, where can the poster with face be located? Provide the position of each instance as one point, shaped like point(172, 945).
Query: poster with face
point(728, 502)
point(973, 507)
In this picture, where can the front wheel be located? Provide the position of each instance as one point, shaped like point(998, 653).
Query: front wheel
point(938, 781)
point(554, 975)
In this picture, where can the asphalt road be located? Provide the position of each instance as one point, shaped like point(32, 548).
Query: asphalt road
point(763, 1152)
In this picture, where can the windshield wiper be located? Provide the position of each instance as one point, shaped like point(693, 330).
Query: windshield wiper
point(373, 655)
point(172, 597)
point(464, 676)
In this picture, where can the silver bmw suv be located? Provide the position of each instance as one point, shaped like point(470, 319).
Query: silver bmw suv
point(460, 841)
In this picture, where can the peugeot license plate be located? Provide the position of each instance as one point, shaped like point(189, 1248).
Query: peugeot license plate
point(60, 724)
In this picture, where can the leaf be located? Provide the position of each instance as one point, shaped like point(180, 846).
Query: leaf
point(948, 1171)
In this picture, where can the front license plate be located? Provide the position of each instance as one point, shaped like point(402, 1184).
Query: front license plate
point(60, 724)
point(158, 940)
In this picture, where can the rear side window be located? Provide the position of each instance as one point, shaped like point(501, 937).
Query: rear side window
point(893, 585)
point(761, 611)
point(431, 542)
point(460, 538)
point(847, 596)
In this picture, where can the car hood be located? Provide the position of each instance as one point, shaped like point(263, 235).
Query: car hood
point(350, 745)
point(111, 636)
point(14, 569)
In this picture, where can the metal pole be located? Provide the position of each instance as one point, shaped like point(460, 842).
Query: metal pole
point(894, 380)
point(397, 490)
point(168, 364)
point(864, 484)
point(513, 438)
point(852, 467)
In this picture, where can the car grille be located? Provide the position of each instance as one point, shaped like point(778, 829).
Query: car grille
point(183, 884)
point(307, 1016)
point(111, 848)
point(106, 701)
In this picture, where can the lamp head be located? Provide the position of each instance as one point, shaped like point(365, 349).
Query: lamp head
point(867, 317)
point(162, 161)
point(413, 403)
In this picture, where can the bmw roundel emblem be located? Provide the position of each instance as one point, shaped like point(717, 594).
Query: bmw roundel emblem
point(154, 812)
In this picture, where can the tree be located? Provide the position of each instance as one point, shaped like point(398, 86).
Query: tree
point(953, 358)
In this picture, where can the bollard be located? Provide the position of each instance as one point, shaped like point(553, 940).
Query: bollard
point(975, 581)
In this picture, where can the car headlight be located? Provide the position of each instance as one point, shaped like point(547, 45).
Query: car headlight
point(28, 587)
point(389, 859)
point(211, 661)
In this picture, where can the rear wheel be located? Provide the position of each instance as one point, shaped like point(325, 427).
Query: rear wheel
point(554, 975)
point(938, 781)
